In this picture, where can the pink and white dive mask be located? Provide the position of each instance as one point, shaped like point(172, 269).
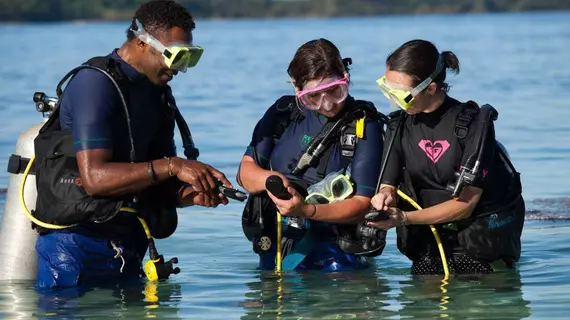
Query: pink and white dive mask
point(325, 94)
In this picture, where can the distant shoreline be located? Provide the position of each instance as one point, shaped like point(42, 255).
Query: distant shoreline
point(298, 17)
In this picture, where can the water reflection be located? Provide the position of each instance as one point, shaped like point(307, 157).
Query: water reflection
point(489, 296)
point(127, 301)
point(367, 295)
point(315, 295)
point(18, 300)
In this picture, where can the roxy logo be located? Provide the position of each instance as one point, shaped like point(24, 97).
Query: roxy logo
point(495, 223)
point(434, 149)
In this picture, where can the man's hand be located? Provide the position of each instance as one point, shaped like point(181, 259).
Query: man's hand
point(209, 200)
point(189, 196)
point(200, 175)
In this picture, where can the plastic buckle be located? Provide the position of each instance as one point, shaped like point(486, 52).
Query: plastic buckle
point(461, 124)
point(460, 131)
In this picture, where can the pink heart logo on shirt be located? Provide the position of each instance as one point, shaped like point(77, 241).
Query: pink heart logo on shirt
point(434, 149)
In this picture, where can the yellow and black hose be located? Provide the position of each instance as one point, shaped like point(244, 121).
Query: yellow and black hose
point(435, 234)
point(23, 202)
point(151, 266)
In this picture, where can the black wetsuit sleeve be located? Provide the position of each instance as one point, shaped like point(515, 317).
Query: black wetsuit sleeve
point(488, 156)
point(395, 163)
point(367, 159)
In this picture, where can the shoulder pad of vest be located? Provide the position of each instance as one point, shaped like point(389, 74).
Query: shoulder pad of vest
point(468, 111)
point(108, 64)
point(394, 115)
point(100, 62)
point(366, 105)
point(283, 112)
point(284, 104)
point(370, 110)
point(470, 105)
point(393, 118)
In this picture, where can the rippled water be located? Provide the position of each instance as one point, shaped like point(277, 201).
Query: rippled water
point(516, 62)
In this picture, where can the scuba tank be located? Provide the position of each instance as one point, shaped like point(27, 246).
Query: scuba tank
point(17, 252)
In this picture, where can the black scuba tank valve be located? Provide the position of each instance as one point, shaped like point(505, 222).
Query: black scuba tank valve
point(463, 177)
point(469, 172)
point(43, 102)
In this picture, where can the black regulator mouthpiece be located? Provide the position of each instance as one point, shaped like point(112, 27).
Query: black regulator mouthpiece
point(231, 193)
point(156, 268)
point(275, 185)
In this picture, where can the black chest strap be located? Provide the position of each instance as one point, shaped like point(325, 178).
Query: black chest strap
point(347, 134)
point(468, 112)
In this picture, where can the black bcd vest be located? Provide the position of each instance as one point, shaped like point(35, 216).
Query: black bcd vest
point(476, 235)
point(62, 199)
point(258, 217)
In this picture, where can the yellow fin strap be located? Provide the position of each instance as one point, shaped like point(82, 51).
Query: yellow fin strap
point(360, 128)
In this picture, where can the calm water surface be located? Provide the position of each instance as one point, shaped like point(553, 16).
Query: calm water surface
point(516, 62)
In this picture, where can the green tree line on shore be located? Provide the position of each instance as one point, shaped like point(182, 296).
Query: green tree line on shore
point(62, 10)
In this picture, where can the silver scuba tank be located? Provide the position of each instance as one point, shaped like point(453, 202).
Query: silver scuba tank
point(18, 239)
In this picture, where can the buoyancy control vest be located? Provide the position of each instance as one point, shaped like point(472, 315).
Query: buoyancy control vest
point(259, 214)
point(62, 199)
point(491, 233)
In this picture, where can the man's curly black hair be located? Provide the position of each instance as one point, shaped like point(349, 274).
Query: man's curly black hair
point(161, 15)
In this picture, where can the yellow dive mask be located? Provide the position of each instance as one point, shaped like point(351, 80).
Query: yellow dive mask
point(405, 98)
point(176, 57)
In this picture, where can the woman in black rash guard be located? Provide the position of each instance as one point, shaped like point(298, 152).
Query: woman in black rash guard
point(436, 137)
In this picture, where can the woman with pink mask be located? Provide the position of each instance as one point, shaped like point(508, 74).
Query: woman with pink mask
point(326, 147)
